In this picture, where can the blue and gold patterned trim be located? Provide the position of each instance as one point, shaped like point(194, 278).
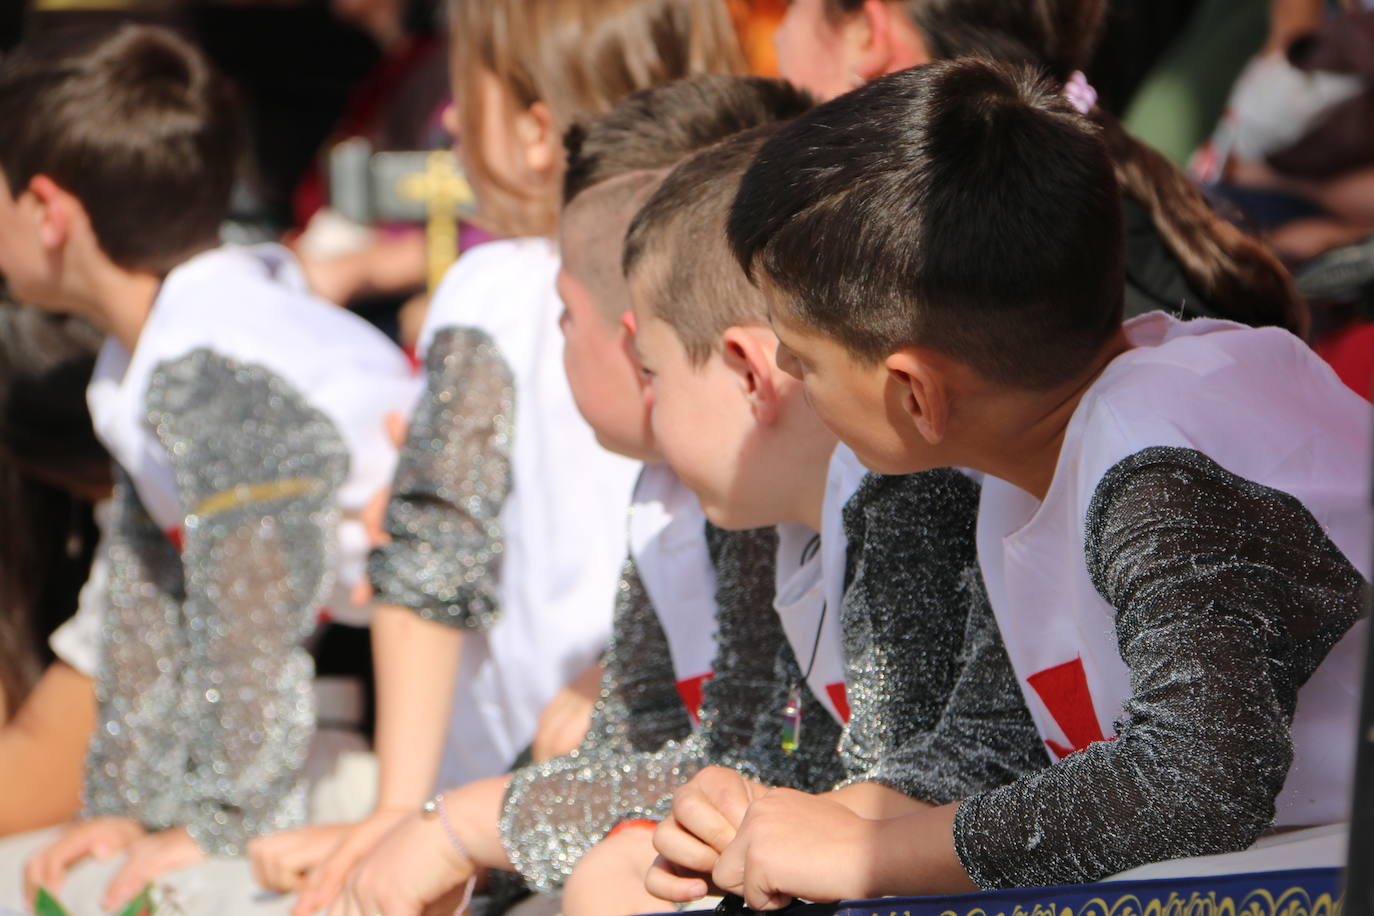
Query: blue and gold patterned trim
point(1306, 892)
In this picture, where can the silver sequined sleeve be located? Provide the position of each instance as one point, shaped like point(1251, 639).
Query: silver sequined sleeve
point(1227, 597)
point(936, 712)
point(444, 516)
point(140, 746)
point(555, 811)
point(208, 724)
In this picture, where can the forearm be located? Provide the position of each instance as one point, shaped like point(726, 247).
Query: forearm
point(876, 801)
point(914, 855)
point(474, 811)
point(42, 750)
point(416, 662)
point(555, 811)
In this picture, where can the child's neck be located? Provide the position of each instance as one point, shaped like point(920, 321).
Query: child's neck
point(801, 491)
point(118, 301)
point(1020, 434)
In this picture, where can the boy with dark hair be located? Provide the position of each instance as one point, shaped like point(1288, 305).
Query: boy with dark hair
point(1172, 528)
point(246, 421)
point(690, 667)
point(877, 591)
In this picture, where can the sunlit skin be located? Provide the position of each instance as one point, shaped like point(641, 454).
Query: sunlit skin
point(735, 430)
point(605, 379)
point(832, 54)
point(515, 147)
point(918, 408)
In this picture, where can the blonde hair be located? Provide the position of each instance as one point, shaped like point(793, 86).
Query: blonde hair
point(578, 57)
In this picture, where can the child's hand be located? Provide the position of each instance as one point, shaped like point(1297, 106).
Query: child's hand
point(324, 882)
point(414, 865)
point(282, 860)
point(150, 857)
point(100, 837)
point(796, 845)
point(565, 720)
point(706, 813)
point(609, 878)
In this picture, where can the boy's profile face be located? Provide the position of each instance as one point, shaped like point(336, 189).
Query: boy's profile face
point(602, 372)
point(23, 261)
point(860, 402)
point(730, 430)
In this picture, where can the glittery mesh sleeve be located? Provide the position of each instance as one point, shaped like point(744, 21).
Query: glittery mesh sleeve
point(140, 746)
point(935, 710)
point(444, 516)
point(257, 469)
point(556, 811)
point(639, 708)
point(1227, 596)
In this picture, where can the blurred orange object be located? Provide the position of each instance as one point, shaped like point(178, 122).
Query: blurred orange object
point(755, 21)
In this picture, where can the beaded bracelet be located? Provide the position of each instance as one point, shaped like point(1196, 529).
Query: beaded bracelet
point(437, 805)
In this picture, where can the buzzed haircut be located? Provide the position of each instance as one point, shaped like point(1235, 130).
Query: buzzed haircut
point(136, 125)
point(655, 128)
point(676, 251)
point(962, 206)
point(591, 232)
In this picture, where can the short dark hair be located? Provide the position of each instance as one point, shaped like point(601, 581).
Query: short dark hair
point(1236, 275)
point(963, 206)
point(676, 245)
point(655, 128)
point(136, 124)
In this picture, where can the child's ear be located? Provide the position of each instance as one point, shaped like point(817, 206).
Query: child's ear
point(921, 390)
point(53, 209)
point(752, 362)
point(885, 40)
point(540, 138)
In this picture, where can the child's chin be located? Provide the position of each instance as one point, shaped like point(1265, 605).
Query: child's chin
point(728, 517)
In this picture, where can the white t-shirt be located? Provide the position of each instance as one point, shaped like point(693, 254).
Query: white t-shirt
point(252, 305)
point(563, 520)
point(1261, 405)
point(668, 545)
point(810, 590)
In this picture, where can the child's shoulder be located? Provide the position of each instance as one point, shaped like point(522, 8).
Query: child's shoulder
point(252, 304)
point(491, 282)
point(1256, 401)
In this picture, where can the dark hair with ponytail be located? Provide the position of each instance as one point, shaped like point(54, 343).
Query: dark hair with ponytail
point(1238, 276)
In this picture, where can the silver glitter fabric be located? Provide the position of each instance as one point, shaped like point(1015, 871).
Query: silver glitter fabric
point(639, 708)
point(444, 515)
point(206, 701)
point(555, 811)
point(935, 709)
point(1227, 595)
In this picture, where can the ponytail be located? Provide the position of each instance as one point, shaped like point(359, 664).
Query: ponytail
point(1239, 277)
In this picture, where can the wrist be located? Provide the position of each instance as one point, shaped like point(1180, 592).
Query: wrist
point(914, 855)
point(436, 811)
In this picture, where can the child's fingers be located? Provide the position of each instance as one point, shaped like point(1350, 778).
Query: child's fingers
point(49, 866)
point(325, 882)
point(698, 814)
point(271, 861)
point(683, 849)
point(665, 881)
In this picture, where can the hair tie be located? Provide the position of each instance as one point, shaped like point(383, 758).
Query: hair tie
point(1080, 93)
